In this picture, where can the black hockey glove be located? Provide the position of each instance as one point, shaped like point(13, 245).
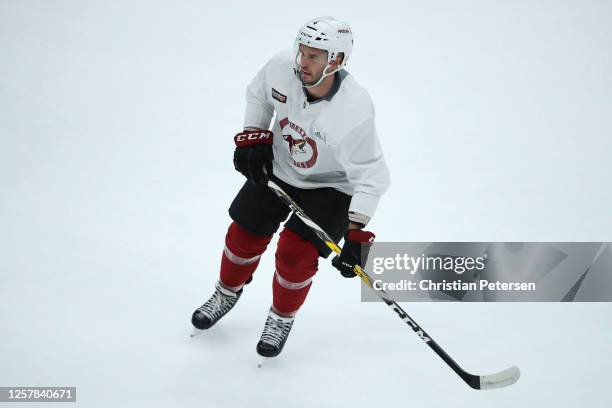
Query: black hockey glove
point(357, 245)
point(253, 155)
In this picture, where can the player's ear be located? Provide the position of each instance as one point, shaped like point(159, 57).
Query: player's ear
point(339, 59)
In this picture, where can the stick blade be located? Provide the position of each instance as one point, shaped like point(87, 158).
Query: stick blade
point(499, 380)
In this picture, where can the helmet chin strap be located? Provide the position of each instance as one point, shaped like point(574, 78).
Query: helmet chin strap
point(325, 75)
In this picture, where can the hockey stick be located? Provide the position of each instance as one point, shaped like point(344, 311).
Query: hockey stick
point(479, 382)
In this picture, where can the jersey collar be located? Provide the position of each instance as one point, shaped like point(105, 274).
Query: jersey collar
point(338, 78)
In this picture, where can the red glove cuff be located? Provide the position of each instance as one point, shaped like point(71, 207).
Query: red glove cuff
point(252, 137)
point(363, 237)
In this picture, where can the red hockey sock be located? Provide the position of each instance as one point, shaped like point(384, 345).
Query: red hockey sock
point(240, 256)
point(296, 263)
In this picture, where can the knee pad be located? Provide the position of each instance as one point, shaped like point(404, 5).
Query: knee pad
point(296, 264)
point(296, 258)
point(241, 255)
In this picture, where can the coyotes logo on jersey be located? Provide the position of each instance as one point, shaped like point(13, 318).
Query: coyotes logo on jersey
point(302, 148)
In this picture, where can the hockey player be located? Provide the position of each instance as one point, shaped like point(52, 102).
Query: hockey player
point(324, 152)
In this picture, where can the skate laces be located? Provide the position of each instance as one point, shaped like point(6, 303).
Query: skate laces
point(218, 304)
point(276, 330)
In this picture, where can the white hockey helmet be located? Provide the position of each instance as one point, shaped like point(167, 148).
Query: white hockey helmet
point(329, 34)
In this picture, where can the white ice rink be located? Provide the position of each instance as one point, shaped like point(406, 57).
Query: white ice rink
point(116, 125)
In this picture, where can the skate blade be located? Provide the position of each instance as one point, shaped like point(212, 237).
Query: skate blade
point(262, 361)
point(195, 332)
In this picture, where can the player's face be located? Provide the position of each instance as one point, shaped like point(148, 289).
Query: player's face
point(312, 63)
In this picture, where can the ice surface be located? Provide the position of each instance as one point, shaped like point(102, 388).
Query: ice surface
point(116, 120)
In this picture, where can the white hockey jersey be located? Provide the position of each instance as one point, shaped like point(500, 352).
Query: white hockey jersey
point(330, 142)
